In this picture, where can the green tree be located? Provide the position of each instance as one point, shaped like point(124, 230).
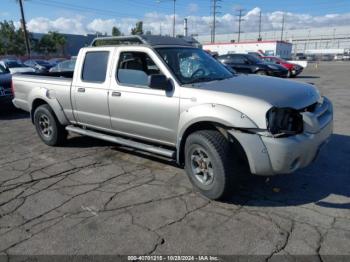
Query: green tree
point(52, 42)
point(11, 40)
point(138, 29)
point(116, 31)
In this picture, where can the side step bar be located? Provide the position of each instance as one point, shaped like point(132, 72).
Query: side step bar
point(122, 141)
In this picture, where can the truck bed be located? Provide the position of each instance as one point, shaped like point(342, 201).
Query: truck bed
point(28, 83)
point(52, 74)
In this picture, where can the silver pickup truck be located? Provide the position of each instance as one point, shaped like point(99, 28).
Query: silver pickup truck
point(161, 95)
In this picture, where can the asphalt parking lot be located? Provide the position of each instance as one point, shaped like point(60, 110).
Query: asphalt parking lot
point(91, 197)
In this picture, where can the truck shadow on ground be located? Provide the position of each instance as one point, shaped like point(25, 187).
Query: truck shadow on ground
point(328, 175)
point(9, 112)
point(307, 77)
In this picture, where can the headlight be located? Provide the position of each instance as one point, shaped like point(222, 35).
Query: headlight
point(272, 67)
point(284, 121)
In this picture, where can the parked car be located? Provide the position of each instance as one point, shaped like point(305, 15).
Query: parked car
point(293, 69)
point(5, 86)
point(338, 57)
point(346, 57)
point(64, 66)
point(55, 61)
point(15, 66)
point(299, 56)
point(248, 64)
point(163, 96)
point(311, 58)
point(327, 57)
point(38, 64)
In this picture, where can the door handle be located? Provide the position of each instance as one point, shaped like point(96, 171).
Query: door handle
point(116, 94)
point(81, 90)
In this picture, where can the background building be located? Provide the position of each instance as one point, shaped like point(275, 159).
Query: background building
point(321, 38)
point(270, 48)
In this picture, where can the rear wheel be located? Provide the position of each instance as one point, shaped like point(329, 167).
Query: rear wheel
point(48, 127)
point(209, 163)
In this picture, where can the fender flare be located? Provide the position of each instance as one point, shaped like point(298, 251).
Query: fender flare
point(48, 97)
point(214, 113)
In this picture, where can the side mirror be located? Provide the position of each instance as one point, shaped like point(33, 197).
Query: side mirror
point(159, 82)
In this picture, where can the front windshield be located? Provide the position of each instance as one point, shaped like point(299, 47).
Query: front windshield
point(253, 59)
point(42, 62)
point(13, 64)
point(2, 70)
point(192, 65)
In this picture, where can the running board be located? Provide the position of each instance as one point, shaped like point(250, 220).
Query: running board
point(122, 141)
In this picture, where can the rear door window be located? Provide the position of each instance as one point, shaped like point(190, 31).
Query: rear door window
point(95, 67)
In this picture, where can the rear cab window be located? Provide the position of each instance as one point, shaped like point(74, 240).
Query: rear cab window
point(95, 66)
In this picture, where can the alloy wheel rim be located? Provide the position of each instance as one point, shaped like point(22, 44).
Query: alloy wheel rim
point(45, 126)
point(202, 166)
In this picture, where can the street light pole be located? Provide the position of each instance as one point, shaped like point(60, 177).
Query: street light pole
point(174, 14)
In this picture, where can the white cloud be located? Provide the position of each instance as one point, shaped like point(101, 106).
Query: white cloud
point(193, 8)
point(72, 25)
point(154, 22)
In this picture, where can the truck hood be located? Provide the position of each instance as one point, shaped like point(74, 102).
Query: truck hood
point(252, 95)
point(274, 91)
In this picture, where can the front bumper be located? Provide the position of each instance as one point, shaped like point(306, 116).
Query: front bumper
point(295, 72)
point(270, 155)
point(278, 73)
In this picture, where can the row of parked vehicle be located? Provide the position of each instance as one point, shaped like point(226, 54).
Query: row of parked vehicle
point(261, 65)
point(13, 65)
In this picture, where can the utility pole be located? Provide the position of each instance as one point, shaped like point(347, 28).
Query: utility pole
point(24, 27)
point(174, 21)
point(240, 14)
point(214, 8)
point(282, 27)
point(259, 37)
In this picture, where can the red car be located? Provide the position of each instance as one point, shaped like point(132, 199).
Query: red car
point(293, 69)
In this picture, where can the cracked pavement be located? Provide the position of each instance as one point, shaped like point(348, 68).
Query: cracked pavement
point(93, 197)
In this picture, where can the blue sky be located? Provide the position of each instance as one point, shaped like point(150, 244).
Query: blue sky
point(86, 16)
point(137, 8)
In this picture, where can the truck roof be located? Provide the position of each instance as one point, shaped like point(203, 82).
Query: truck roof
point(148, 40)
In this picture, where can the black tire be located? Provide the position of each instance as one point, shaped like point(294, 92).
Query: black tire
point(48, 127)
point(261, 72)
point(220, 153)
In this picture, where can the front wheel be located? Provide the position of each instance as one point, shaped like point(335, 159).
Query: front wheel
point(209, 163)
point(262, 73)
point(48, 127)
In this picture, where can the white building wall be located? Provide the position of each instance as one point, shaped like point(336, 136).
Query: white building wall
point(302, 39)
point(274, 48)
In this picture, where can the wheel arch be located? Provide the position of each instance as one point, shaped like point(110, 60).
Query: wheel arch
point(54, 105)
point(207, 125)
